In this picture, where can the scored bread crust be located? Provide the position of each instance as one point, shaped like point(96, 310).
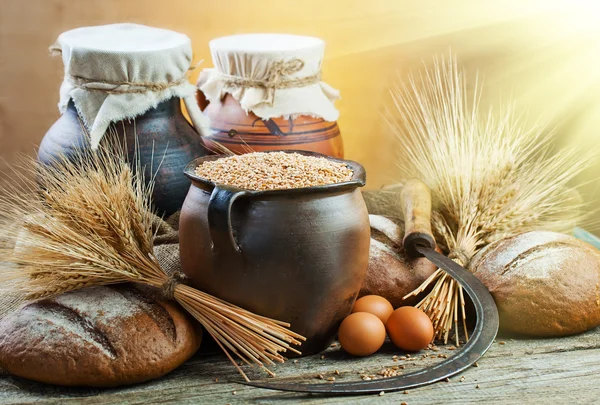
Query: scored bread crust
point(544, 283)
point(98, 336)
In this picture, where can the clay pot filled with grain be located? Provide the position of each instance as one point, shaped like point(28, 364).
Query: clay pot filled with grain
point(293, 251)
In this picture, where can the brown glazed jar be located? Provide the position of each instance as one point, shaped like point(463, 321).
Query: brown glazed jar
point(130, 79)
point(297, 255)
point(265, 93)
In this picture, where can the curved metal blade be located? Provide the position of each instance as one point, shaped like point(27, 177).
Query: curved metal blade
point(482, 338)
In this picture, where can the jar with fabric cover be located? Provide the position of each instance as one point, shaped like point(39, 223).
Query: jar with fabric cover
point(129, 80)
point(266, 92)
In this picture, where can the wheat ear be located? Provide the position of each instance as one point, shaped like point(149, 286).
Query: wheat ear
point(491, 176)
point(86, 221)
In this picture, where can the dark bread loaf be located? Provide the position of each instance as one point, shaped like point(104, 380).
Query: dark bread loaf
point(392, 274)
point(544, 283)
point(97, 336)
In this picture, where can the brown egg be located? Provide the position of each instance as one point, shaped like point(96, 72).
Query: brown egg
point(376, 305)
point(410, 329)
point(361, 334)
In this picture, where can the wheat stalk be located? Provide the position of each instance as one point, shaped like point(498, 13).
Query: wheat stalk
point(490, 176)
point(87, 221)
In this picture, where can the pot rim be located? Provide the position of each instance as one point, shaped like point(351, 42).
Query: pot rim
point(359, 175)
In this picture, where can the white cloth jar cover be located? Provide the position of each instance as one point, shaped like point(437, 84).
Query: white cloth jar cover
point(120, 71)
point(271, 75)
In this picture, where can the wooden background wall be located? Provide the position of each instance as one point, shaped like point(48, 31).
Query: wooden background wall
point(543, 53)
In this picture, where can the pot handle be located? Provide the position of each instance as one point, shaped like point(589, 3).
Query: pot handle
point(219, 218)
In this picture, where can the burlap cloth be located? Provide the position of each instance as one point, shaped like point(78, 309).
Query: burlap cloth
point(166, 243)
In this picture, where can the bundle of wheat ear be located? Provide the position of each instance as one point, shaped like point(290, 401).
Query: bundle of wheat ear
point(490, 176)
point(88, 221)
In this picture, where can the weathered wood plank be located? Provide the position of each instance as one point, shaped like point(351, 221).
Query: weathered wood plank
point(518, 371)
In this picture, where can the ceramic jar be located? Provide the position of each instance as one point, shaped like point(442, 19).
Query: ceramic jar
point(266, 93)
point(297, 255)
point(166, 142)
point(129, 80)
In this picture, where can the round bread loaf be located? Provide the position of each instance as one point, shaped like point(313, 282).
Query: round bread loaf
point(544, 283)
point(391, 273)
point(97, 336)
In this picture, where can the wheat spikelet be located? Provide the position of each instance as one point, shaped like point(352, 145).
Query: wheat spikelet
point(490, 177)
point(87, 221)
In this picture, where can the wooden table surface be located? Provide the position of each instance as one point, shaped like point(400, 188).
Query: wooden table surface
point(542, 371)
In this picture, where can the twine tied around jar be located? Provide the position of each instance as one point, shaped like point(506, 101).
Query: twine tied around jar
point(276, 78)
point(122, 87)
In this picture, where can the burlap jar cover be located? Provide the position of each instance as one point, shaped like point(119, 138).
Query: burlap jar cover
point(271, 75)
point(120, 71)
